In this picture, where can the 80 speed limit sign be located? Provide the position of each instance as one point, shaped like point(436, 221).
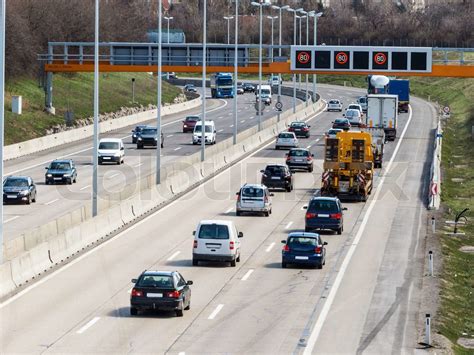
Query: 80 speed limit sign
point(303, 59)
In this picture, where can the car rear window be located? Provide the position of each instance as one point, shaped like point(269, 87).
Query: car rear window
point(299, 153)
point(340, 121)
point(213, 231)
point(323, 206)
point(285, 135)
point(334, 102)
point(252, 192)
point(352, 113)
point(155, 281)
point(297, 124)
point(274, 170)
point(302, 241)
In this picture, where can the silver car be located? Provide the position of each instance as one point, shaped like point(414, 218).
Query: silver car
point(286, 140)
point(254, 198)
point(354, 117)
point(335, 105)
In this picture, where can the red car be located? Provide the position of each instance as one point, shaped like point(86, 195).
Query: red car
point(189, 123)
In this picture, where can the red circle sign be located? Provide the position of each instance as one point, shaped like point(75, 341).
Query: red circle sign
point(380, 58)
point(303, 57)
point(342, 58)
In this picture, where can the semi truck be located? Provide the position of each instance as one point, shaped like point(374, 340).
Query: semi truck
point(377, 84)
point(222, 85)
point(348, 166)
point(382, 112)
point(401, 88)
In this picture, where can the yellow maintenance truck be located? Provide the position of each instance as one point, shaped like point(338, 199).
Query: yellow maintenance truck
point(348, 166)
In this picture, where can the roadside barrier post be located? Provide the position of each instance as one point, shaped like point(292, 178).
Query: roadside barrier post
point(428, 329)
point(433, 225)
point(430, 263)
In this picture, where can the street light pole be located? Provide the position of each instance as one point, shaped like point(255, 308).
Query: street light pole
point(294, 43)
point(158, 93)
point(2, 111)
point(316, 16)
point(280, 9)
point(204, 50)
point(95, 152)
point(228, 18)
point(272, 18)
point(236, 63)
point(168, 32)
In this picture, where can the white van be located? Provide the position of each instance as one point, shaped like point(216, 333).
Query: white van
point(274, 80)
point(209, 132)
point(111, 150)
point(266, 94)
point(254, 198)
point(216, 240)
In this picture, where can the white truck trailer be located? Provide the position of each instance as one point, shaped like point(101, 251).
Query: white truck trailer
point(382, 112)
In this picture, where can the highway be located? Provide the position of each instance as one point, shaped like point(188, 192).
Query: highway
point(365, 299)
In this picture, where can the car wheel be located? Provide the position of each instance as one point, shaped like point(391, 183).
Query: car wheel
point(266, 213)
point(139, 146)
point(69, 181)
point(238, 213)
point(307, 230)
point(75, 179)
point(195, 262)
point(277, 148)
point(339, 231)
point(310, 169)
point(188, 307)
point(133, 311)
point(238, 258)
point(179, 313)
point(289, 188)
point(34, 199)
point(119, 162)
point(283, 265)
point(46, 182)
point(319, 266)
point(162, 146)
point(29, 200)
point(233, 263)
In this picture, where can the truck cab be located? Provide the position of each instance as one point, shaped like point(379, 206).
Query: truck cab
point(222, 85)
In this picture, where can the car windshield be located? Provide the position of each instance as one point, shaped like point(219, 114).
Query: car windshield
point(285, 135)
point(164, 281)
point(149, 131)
point(298, 124)
point(323, 206)
point(334, 102)
point(274, 170)
point(252, 192)
point(213, 231)
point(190, 86)
point(60, 166)
point(192, 119)
point(302, 242)
point(139, 128)
point(109, 145)
point(299, 153)
point(225, 82)
point(208, 129)
point(15, 183)
point(352, 113)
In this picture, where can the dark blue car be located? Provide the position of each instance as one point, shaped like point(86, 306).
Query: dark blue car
point(61, 171)
point(305, 249)
point(324, 213)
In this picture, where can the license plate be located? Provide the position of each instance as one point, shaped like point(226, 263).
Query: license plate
point(299, 160)
point(154, 295)
point(301, 257)
point(58, 178)
point(275, 178)
point(106, 158)
point(323, 215)
point(11, 196)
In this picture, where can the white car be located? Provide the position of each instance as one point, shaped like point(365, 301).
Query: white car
point(216, 240)
point(332, 132)
point(354, 117)
point(274, 80)
point(286, 140)
point(111, 150)
point(334, 105)
point(254, 198)
point(209, 132)
point(362, 101)
point(356, 107)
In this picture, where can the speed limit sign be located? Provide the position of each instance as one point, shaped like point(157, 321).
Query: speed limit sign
point(380, 60)
point(279, 106)
point(303, 59)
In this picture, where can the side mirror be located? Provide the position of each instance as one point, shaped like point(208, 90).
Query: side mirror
point(134, 281)
point(123, 148)
point(237, 193)
point(262, 171)
point(344, 208)
point(241, 235)
point(325, 243)
point(312, 155)
point(283, 242)
point(194, 232)
point(46, 167)
point(189, 283)
point(133, 131)
point(215, 131)
point(343, 115)
point(309, 126)
point(305, 207)
point(272, 194)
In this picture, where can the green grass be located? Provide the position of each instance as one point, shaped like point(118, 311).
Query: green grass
point(75, 92)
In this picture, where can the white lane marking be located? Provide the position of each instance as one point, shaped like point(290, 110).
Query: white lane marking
point(88, 325)
point(51, 202)
point(240, 110)
point(229, 210)
point(128, 136)
point(270, 247)
point(217, 310)
point(309, 146)
point(303, 208)
point(175, 149)
point(317, 140)
point(288, 225)
point(10, 219)
point(252, 117)
point(85, 187)
point(220, 117)
point(313, 338)
point(242, 121)
point(173, 256)
point(128, 230)
point(182, 353)
point(137, 165)
point(112, 176)
point(219, 131)
point(169, 136)
point(231, 126)
point(247, 275)
point(229, 114)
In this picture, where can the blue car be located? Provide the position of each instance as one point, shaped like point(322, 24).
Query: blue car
point(305, 249)
point(324, 213)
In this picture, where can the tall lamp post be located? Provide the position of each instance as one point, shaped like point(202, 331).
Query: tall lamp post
point(95, 153)
point(316, 16)
point(279, 51)
point(228, 18)
point(236, 63)
point(2, 111)
point(294, 43)
point(306, 15)
point(272, 18)
point(168, 19)
point(300, 42)
point(158, 91)
point(204, 50)
point(260, 5)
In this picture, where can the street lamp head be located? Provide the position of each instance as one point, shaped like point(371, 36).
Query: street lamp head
point(286, 7)
point(303, 12)
point(299, 10)
point(253, 3)
point(272, 17)
point(289, 9)
point(274, 7)
point(319, 14)
point(168, 18)
point(228, 17)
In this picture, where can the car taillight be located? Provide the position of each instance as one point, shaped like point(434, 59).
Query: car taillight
point(335, 215)
point(311, 215)
point(266, 199)
point(173, 294)
point(137, 293)
point(195, 245)
point(288, 158)
point(286, 248)
point(231, 245)
point(318, 250)
point(238, 197)
point(309, 158)
point(291, 129)
point(306, 129)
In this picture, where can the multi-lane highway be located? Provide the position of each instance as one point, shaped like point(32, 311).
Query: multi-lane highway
point(365, 299)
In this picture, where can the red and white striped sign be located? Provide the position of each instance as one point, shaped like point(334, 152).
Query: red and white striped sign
point(361, 179)
point(434, 188)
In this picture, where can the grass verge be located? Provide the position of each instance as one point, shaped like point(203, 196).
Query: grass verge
point(74, 92)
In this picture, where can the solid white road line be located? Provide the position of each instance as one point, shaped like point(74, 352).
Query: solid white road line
point(288, 225)
point(173, 256)
point(247, 275)
point(270, 247)
point(88, 325)
point(175, 149)
point(10, 219)
point(85, 187)
point(128, 230)
point(51, 202)
point(313, 338)
point(182, 353)
point(229, 210)
point(317, 140)
point(220, 117)
point(217, 310)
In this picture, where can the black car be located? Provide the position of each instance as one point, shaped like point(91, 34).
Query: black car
point(300, 158)
point(277, 176)
point(248, 87)
point(342, 123)
point(160, 290)
point(304, 248)
point(63, 171)
point(301, 129)
point(136, 132)
point(19, 189)
point(324, 213)
point(149, 137)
